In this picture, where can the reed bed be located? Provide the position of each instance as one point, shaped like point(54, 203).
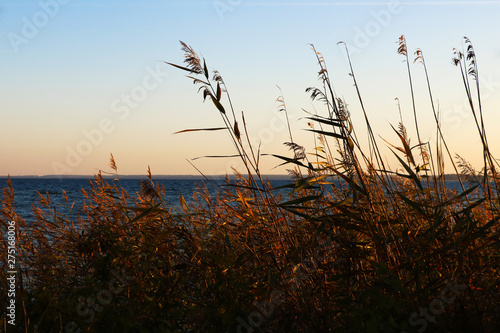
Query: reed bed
point(351, 246)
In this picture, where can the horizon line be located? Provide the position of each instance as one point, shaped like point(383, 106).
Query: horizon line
point(130, 175)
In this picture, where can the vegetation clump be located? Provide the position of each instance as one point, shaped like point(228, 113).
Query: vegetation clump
point(350, 246)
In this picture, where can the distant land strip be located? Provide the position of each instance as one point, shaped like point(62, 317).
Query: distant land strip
point(194, 177)
point(450, 177)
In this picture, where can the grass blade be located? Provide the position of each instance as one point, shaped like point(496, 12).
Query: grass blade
point(201, 129)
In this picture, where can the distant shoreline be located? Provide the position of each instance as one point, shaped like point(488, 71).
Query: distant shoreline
point(194, 177)
point(449, 177)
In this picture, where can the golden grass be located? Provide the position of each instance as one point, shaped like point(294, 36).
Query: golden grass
point(353, 246)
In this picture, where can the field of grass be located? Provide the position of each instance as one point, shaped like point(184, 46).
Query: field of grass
point(353, 247)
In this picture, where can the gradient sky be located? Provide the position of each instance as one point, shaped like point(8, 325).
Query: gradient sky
point(70, 67)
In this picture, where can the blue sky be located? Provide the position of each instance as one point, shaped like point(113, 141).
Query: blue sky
point(70, 69)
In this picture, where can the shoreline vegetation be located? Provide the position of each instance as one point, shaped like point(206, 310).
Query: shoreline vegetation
point(380, 251)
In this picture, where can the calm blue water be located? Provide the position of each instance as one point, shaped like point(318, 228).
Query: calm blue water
point(25, 190)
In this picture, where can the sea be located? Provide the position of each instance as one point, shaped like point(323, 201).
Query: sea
point(26, 189)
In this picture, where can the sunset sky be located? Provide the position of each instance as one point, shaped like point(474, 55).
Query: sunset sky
point(83, 79)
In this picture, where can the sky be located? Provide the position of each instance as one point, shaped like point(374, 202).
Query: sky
point(83, 79)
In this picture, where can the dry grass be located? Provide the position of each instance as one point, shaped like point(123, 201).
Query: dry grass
point(353, 246)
